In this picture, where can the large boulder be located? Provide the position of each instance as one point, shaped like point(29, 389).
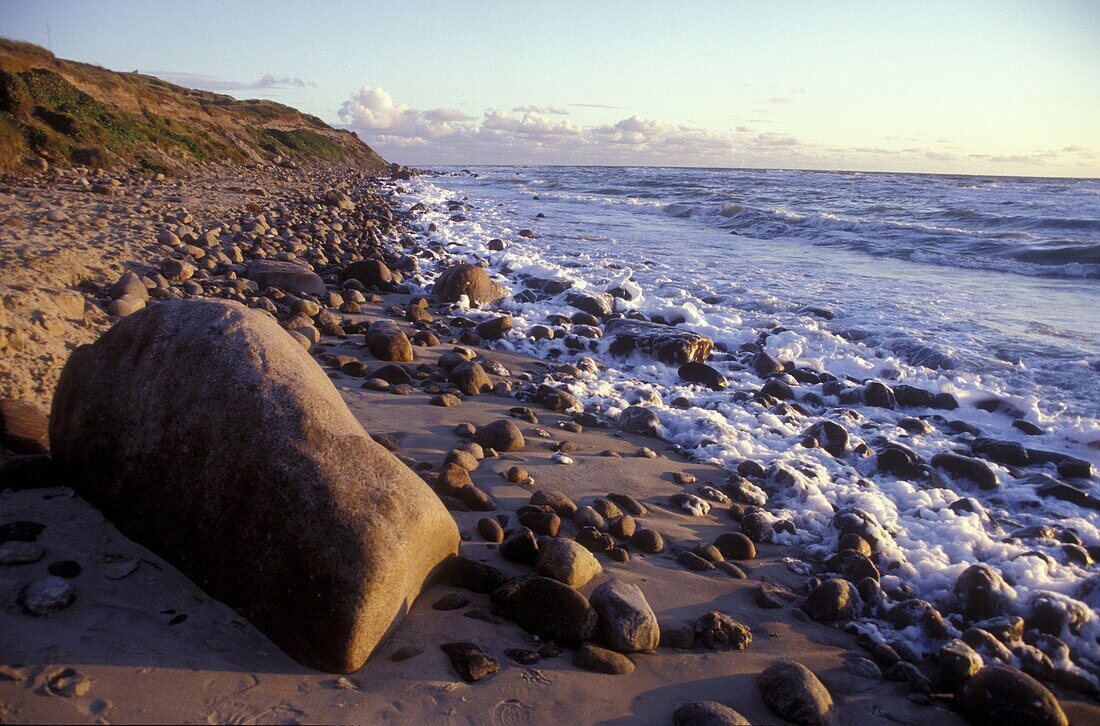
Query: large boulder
point(1000, 694)
point(207, 434)
point(386, 341)
point(627, 623)
point(793, 692)
point(373, 273)
point(286, 276)
point(674, 346)
point(23, 427)
point(471, 281)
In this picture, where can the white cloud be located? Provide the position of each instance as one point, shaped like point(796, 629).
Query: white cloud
point(224, 85)
point(555, 110)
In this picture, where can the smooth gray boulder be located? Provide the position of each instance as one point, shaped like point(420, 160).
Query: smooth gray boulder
point(627, 623)
point(205, 433)
point(286, 276)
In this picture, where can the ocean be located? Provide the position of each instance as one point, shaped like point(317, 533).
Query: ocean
point(987, 288)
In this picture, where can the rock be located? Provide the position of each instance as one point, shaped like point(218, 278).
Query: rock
point(566, 561)
point(340, 200)
point(490, 530)
point(910, 674)
point(471, 378)
point(600, 660)
point(981, 592)
point(24, 427)
point(177, 270)
point(557, 500)
point(707, 713)
point(386, 341)
point(831, 436)
point(966, 467)
point(639, 420)
point(46, 596)
point(596, 304)
point(553, 611)
point(468, 280)
point(451, 601)
point(629, 504)
point(556, 399)
point(772, 596)
point(286, 276)
point(794, 693)
point(627, 623)
point(128, 284)
point(32, 471)
point(735, 546)
point(589, 517)
point(649, 541)
point(719, 631)
point(878, 395)
point(472, 575)
point(21, 553)
point(259, 417)
point(912, 612)
point(834, 599)
point(958, 664)
point(372, 273)
point(852, 566)
point(444, 400)
point(542, 523)
point(125, 306)
point(757, 527)
point(494, 328)
point(1000, 695)
point(693, 562)
point(695, 372)
point(520, 546)
point(667, 344)
point(469, 661)
point(501, 435)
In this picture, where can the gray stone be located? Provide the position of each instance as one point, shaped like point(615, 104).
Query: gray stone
point(793, 692)
point(627, 623)
point(566, 561)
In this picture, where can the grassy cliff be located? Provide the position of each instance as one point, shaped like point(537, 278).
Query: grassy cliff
point(75, 113)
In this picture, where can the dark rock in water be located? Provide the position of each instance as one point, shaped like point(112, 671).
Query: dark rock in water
point(1067, 493)
point(1022, 424)
point(958, 664)
point(553, 610)
point(981, 592)
point(387, 342)
point(719, 631)
point(1051, 613)
point(755, 526)
point(852, 566)
point(707, 713)
point(494, 328)
point(695, 372)
point(470, 662)
point(913, 397)
point(600, 660)
point(286, 276)
point(793, 692)
point(627, 623)
point(469, 280)
point(1002, 452)
point(1075, 468)
point(259, 417)
point(834, 599)
point(765, 365)
point(878, 395)
point(918, 612)
point(24, 427)
point(598, 304)
point(945, 402)
point(898, 459)
point(555, 399)
point(372, 273)
point(966, 467)
point(852, 520)
point(735, 546)
point(831, 436)
point(1000, 695)
point(501, 435)
point(667, 344)
point(472, 575)
point(998, 405)
point(777, 389)
point(639, 420)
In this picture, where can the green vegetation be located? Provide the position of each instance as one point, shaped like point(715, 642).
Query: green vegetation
point(76, 113)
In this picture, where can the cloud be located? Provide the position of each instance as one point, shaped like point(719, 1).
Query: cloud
point(598, 105)
point(779, 101)
point(224, 85)
point(555, 110)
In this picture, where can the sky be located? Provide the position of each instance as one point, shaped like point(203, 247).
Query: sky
point(951, 87)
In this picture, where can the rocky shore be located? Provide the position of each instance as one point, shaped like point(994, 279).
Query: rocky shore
point(262, 321)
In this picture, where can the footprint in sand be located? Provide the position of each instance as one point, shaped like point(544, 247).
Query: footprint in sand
point(511, 713)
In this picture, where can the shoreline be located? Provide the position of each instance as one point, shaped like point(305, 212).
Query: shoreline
point(199, 671)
